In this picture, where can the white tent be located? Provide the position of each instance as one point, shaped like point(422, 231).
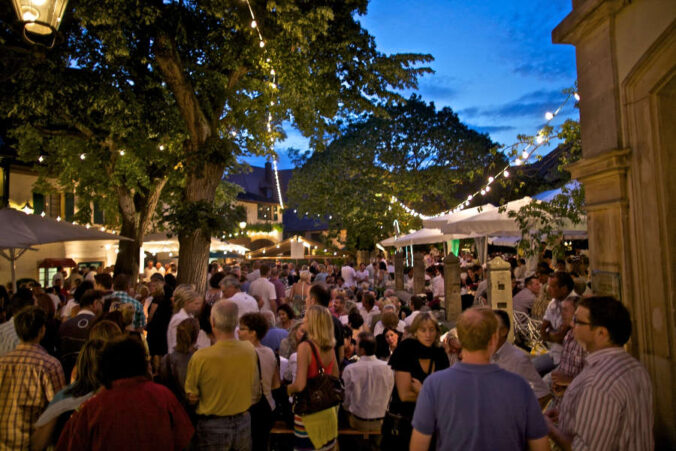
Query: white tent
point(495, 222)
point(424, 236)
point(20, 231)
point(439, 221)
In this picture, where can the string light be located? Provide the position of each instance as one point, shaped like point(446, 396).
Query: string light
point(41, 158)
point(122, 152)
point(82, 156)
point(525, 155)
point(273, 85)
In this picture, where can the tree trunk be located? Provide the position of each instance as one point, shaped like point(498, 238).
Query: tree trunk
point(193, 256)
point(136, 219)
point(127, 261)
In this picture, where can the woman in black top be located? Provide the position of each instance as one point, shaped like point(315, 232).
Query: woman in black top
point(414, 359)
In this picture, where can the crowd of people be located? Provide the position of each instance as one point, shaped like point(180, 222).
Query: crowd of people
point(109, 362)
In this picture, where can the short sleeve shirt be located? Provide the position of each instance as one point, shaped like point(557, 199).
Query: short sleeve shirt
point(405, 358)
point(504, 413)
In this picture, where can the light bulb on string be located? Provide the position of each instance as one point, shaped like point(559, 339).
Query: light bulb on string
point(517, 162)
point(253, 24)
point(505, 173)
point(549, 115)
point(261, 44)
point(41, 158)
point(488, 188)
point(577, 96)
point(490, 179)
point(483, 192)
point(524, 155)
point(122, 153)
point(82, 156)
point(539, 139)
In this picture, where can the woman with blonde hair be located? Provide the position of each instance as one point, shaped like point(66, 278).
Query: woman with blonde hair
point(187, 304)
point(299, 291)
point(316, 430)
point(412, 361)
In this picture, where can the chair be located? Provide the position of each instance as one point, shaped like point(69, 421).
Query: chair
point(528, 330)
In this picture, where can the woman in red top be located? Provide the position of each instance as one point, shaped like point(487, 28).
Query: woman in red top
point(319, 335)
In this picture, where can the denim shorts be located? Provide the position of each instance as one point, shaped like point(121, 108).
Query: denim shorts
point(223, 433)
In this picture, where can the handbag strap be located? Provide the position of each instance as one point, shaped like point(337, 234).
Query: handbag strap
point(320, 366)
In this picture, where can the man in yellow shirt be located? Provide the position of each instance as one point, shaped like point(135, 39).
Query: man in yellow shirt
point(222, 379)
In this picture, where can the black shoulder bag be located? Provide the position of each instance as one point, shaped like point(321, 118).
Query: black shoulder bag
point(320, 392)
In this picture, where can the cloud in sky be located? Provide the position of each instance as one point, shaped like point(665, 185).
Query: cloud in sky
point(491, 128)
point(532, 104)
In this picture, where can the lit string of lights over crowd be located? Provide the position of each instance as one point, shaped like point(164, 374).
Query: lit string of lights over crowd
point(541, 138)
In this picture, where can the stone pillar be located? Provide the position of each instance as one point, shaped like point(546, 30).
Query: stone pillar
point(500, 289)
point(626, 71)
point(418, 273)
point(452, 297)
point(399, 270)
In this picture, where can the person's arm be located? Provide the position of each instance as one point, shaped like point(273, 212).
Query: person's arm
point(191, 379)
point(303, 363)
point(276, 382)
point(152, 310)
point(420, 441)
point(407, 386)
point(41, 437)
point(558, 336)
point(539, 444)
point(543, 328)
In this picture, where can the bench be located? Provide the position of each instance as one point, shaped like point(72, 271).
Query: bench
point(280, 429)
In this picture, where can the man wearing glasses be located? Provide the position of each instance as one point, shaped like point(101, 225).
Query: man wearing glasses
point(609, 404)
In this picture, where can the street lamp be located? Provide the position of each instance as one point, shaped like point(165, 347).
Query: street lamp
point(242, 225)
point(40, 18)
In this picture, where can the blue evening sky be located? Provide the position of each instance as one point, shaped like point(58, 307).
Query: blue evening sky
point(494, 62)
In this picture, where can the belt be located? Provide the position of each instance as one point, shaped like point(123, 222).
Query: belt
point(366, 419)
point(215, 417)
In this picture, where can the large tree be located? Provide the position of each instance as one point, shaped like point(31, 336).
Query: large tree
point(422, 156)
point(208, 72)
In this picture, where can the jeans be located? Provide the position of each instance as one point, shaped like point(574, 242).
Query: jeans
point(223, 433)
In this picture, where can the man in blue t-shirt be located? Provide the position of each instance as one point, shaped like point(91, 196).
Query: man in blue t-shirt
point(476, 405)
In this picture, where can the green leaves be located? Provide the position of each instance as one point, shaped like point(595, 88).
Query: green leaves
point(413, 152)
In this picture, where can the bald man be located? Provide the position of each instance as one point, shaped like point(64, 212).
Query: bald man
point(505, 414)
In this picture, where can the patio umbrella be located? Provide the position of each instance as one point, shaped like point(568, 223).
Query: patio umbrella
point(425, 236)
point(20, 231)
point(440, 221)
point(498, 223)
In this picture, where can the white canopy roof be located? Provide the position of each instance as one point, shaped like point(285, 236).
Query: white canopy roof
point(439, 221)
point(494, 222)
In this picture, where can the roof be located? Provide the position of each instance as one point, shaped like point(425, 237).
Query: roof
point(259, 184)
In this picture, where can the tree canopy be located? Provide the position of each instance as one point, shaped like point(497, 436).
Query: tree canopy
point(185, 86)
point(423, 156)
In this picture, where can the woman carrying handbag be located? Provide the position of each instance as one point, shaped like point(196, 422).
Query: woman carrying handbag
point(316, 359)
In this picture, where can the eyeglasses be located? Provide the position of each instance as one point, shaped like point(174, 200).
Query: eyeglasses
point(580, 323)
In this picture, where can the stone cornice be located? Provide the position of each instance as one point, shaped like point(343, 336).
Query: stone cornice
point(607, 162)
point(586, 15)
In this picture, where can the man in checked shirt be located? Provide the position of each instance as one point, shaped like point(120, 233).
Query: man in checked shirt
point(609, 405)
point(29, 379)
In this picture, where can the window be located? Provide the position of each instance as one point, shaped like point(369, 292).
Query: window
point(53, 205)
point(267, 212)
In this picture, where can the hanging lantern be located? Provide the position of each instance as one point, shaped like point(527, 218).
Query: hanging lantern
point(40, 18)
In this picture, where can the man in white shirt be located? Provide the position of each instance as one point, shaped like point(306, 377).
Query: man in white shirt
point(348, 274)
point(368, 386)
point(245, 303)
point(264, 291)
point(553, 329)
point(437, 282)
point(510, 358)
point(149, 271)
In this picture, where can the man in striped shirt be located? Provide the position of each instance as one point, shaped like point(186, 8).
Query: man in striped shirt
point(608, 406)
point(29, 379)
